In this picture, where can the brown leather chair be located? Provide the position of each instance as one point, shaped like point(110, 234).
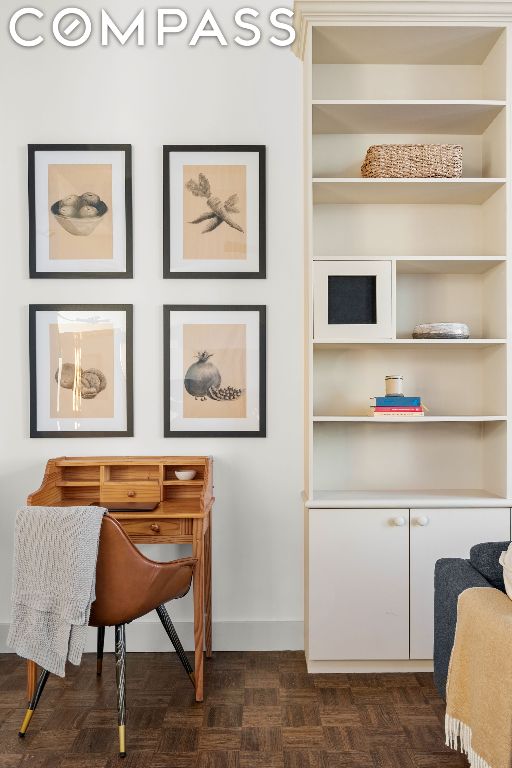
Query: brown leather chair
point(128, 585)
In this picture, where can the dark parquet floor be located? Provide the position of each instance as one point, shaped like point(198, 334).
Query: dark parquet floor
point(261, 710)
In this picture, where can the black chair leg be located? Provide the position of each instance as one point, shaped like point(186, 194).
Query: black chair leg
point(43, 677)
point(99, 650)
point(120, 641)
point(173, 637)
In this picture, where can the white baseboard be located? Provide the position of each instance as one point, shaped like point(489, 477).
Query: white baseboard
point(406, 665)
point(146, 636)
point(227, 636)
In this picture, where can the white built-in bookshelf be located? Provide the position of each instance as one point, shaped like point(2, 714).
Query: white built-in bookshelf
point(404, 76)
point(446, 240)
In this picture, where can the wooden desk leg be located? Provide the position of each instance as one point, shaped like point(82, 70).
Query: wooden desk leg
point(208, 588)
point(198, 552)
point(31, 679)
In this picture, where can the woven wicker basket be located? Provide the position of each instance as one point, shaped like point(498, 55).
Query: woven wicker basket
point(410, 161)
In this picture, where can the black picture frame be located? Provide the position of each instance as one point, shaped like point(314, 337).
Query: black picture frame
point(33, 269)
point(261, 272)
point(33, 310)
point(261, 310)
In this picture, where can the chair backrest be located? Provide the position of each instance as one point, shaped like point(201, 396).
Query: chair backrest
point(128, 584)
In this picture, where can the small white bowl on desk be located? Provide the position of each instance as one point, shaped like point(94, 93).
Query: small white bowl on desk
point(185, 474)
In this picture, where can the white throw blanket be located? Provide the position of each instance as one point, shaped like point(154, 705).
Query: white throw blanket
point(55, 551)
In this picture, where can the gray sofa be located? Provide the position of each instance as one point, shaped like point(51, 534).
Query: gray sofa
point(453, 576)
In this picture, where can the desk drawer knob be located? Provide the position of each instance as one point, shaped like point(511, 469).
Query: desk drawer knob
point(155, 528)
point(131, 494)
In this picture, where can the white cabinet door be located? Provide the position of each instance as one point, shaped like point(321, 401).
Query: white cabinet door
point(358, 584)
point(439, 533)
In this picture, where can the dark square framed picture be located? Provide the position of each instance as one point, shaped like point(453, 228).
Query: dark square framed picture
point(80, 210)
point(81, 370)
point(214, 211)
point(215, 371)
point(353, 300)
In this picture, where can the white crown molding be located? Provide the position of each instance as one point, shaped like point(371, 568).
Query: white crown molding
point(310, 13)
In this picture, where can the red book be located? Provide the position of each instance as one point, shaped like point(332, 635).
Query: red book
point(396, 409)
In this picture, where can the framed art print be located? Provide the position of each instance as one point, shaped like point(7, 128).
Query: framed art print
point(214, 212)
point(215, 371)
point(81, 370)
point(80, 210)
point(353, 300)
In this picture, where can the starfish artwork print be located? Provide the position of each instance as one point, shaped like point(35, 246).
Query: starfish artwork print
point(215, 212)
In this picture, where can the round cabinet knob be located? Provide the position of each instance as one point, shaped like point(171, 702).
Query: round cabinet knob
point(155, 528)
point(131, 494)
point(398, 521)
point(423, 520)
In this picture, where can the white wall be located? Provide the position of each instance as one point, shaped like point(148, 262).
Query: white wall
point(149, 97)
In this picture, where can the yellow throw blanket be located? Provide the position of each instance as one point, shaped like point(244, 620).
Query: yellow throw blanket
point(479, 688)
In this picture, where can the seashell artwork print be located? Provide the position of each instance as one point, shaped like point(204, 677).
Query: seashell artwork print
point(89, 382)
point(79, 214)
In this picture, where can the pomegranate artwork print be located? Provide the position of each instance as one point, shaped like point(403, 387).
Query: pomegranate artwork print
point(215, 370)
point(203, 380)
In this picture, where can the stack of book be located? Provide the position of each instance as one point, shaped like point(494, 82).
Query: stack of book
point(397, 405)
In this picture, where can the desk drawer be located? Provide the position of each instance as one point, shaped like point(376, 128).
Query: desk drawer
point(152, 528)
point(134, 491)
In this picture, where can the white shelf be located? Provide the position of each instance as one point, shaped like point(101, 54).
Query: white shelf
point(436, 265)
point(361, 343)
point(390, 231)
point(406, 499)
point(403, 45)
point(406, 419)
point(471, 116)
point(462, 388)
point(404, 191)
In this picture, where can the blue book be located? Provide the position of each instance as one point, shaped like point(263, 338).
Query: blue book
point(397, 402)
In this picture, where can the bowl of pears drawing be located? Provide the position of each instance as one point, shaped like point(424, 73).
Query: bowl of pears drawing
point(80, 214)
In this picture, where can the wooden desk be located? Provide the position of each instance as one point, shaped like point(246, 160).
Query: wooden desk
point(183, 515)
